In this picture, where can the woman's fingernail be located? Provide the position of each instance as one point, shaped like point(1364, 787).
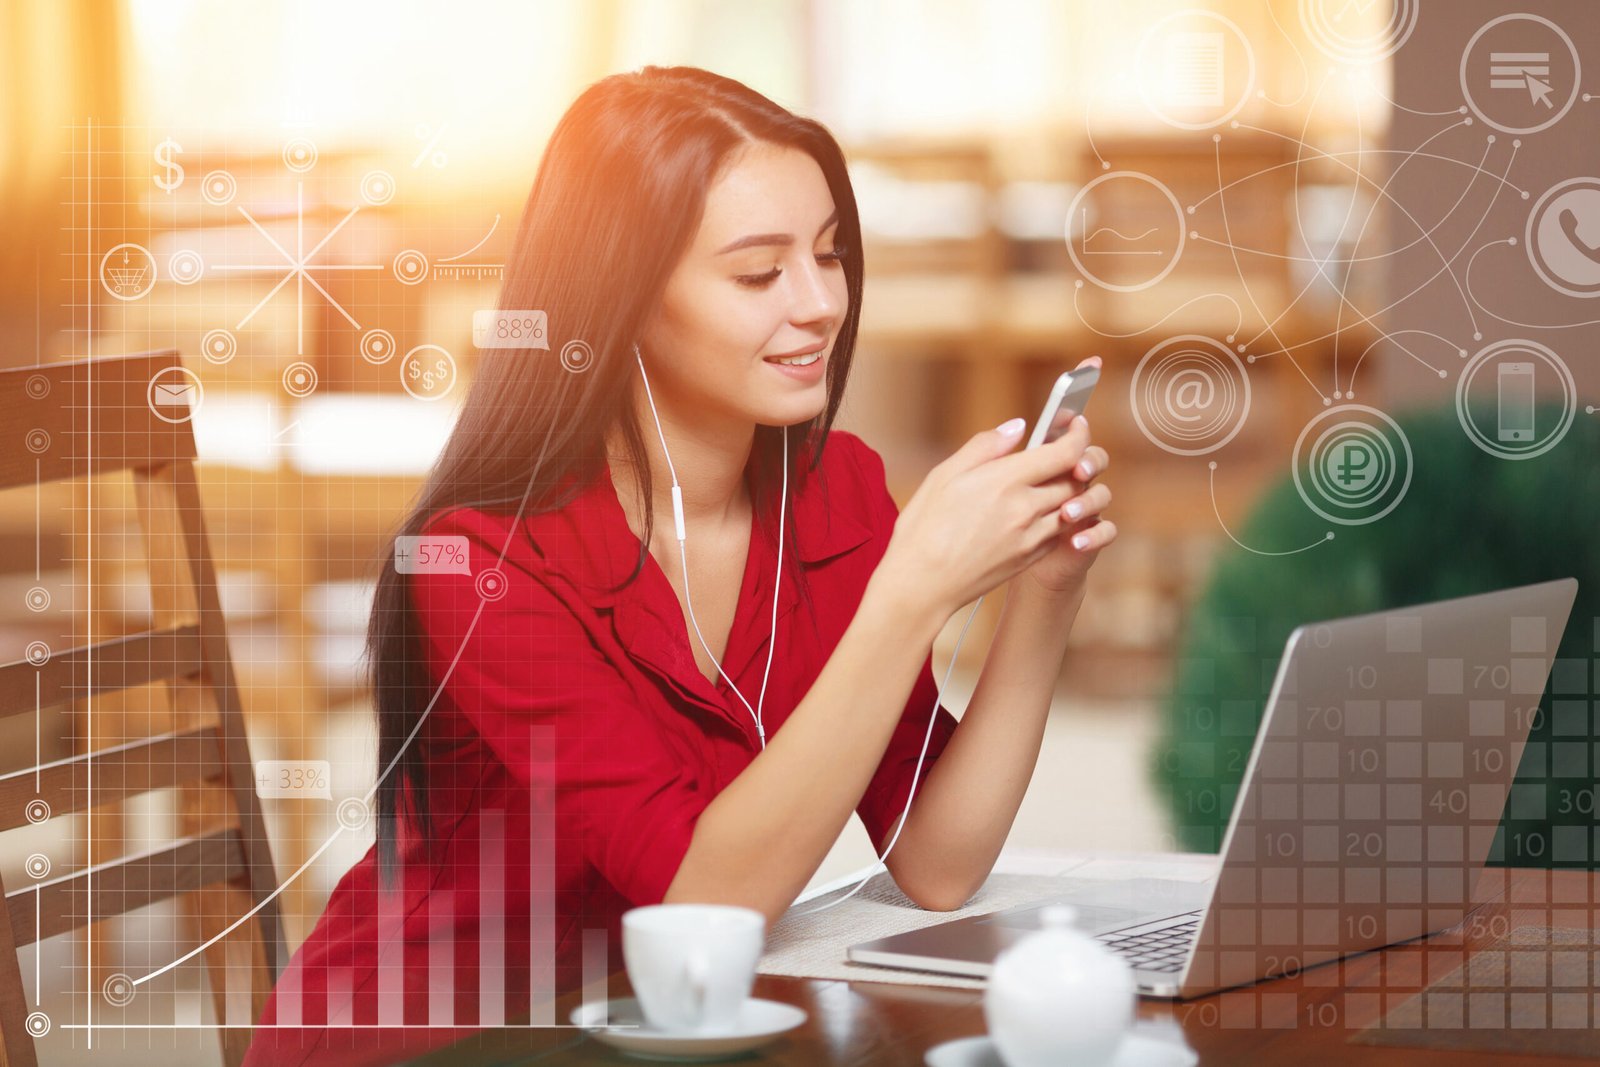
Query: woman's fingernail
point(1011, 427)
point(1081, 541)
point(1075, 510)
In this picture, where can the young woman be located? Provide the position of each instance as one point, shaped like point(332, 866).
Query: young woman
point(599, 715)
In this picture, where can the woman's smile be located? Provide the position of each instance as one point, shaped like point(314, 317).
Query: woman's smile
point(805, 364)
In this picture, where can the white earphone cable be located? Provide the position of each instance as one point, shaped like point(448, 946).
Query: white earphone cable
point(683, 560)
point(867, 872)
point(682, 533)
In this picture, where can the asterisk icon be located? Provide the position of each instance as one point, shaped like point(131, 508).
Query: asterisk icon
point(297, 267)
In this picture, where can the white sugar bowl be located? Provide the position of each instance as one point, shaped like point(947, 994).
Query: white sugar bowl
point(1058, 997)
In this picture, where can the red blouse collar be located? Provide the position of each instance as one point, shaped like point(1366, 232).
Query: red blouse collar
point(588, 542)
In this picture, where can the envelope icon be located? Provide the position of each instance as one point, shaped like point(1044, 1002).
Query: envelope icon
point(174, 394)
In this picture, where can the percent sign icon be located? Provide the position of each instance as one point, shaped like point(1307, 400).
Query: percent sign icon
point(430, 138)
point(445, 554)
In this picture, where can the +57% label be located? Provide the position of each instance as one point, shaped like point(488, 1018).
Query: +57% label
point(416, 554)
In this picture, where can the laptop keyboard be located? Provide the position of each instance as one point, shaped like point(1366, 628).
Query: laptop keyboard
point(1160, 946)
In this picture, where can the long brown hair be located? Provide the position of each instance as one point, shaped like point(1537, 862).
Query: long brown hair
point(618, 198)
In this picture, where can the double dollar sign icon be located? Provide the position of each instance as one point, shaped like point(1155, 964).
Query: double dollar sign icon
point(172, 171)
point(430, 378)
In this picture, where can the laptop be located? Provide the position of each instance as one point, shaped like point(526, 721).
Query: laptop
point(1368, 806)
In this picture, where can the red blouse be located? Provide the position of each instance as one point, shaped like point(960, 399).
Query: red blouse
point(572, 746)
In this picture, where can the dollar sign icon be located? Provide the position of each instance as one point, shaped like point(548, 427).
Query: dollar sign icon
point(172, 176)
point(430, 372)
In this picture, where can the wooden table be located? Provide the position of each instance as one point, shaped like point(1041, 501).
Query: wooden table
point(1305, 1020)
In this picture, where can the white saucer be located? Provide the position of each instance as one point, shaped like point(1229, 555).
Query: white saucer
point(1137, 1050)
point(760, 1021)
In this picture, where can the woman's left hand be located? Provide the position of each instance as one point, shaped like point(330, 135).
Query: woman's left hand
point(1084, 533)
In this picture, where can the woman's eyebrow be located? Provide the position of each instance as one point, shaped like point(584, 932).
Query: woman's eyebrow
point(773, 238)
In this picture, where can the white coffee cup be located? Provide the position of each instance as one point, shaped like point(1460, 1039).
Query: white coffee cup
point(692, 965)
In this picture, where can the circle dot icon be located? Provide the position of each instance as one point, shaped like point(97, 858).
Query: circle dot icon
point(218, 187)
point(377, 187)
point(37, 1024)
point(119, 990)
point(300, 379)
point(218, 346)
point(353, 813)
point(577, 356)
point(377, 346)
point(37, 811)
point(300, 155)
point(185, 267)
point(410, 267)
point(491, 584)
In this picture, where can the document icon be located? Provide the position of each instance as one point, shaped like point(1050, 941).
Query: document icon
point(173, 394)
point(1195, 62)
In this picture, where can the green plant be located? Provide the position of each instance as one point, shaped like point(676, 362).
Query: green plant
point(1469, 523)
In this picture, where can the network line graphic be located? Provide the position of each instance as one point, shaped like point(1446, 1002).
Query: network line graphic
point(300, 268)
point(1313, 300)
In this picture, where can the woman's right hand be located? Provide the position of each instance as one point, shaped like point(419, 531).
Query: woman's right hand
point(984, 514)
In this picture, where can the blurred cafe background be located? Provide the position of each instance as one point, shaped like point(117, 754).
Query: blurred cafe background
point(1316, 218)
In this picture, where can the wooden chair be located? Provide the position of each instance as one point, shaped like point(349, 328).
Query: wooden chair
point(94, 418)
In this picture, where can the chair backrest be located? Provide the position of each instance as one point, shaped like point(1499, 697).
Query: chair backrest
point(95, 417)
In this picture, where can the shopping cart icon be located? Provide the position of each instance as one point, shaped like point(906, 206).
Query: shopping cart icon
point(127, 279)
point(128, 271)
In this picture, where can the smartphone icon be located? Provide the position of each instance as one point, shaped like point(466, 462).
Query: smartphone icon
point(1516, 401)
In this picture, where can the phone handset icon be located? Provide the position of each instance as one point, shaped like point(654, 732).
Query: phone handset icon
point(1568, 220)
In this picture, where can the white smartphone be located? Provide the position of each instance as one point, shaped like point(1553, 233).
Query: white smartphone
point(1068, 397)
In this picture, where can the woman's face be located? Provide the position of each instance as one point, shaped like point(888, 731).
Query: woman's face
point(761, 278)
